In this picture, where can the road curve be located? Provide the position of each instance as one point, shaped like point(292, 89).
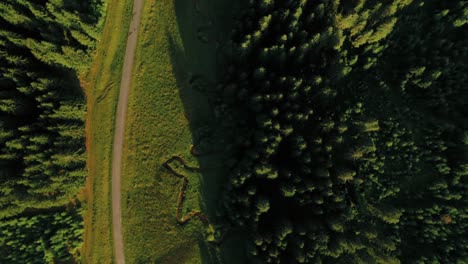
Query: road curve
point(119, 133)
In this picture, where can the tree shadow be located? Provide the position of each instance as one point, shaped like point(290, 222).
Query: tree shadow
point(204, 26)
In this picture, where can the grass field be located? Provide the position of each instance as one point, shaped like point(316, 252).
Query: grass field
point(178, 40)
point(101, 85)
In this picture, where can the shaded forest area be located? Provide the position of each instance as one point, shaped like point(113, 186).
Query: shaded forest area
point(350, 124)
point(43, 46)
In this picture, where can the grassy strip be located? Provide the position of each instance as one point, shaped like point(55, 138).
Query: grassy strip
point(178, 39)
point(101, 85)
point(156, 129)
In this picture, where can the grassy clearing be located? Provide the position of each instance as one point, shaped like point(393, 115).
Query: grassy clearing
point(101, 85)
point(156, 129)
point(178, 39)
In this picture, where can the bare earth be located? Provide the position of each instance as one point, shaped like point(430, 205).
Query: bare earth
point(120, 131)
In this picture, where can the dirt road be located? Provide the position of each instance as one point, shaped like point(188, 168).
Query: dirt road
point(119, 134)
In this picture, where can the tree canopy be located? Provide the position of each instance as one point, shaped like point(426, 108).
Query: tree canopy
point(349, 121)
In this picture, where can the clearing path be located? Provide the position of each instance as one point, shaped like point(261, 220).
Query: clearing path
point(120, 131)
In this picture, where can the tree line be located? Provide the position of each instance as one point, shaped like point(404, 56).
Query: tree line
point(349, 124)
point(43, 47)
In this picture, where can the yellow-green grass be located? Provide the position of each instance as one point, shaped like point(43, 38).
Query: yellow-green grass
point(162, 116)
point(156, 129)
point(101, 85)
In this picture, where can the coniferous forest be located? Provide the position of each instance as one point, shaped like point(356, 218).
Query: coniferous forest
point(349, 121)
point(43, 45)
point(346, 125)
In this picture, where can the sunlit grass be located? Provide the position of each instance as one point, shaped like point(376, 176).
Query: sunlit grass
point(164, 111)
point(101, 85)
point(156, 130)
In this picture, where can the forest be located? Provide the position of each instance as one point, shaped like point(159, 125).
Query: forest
point(346, 125)
point(44, 45)
point(349, 124)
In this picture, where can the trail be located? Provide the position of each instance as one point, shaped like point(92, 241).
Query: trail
point(119, 133)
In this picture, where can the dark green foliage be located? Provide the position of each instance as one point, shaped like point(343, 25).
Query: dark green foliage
point(42, 110)
point(42, 238)
point(350, 123)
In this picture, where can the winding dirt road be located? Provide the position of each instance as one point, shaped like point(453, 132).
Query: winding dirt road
point(119, 134)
